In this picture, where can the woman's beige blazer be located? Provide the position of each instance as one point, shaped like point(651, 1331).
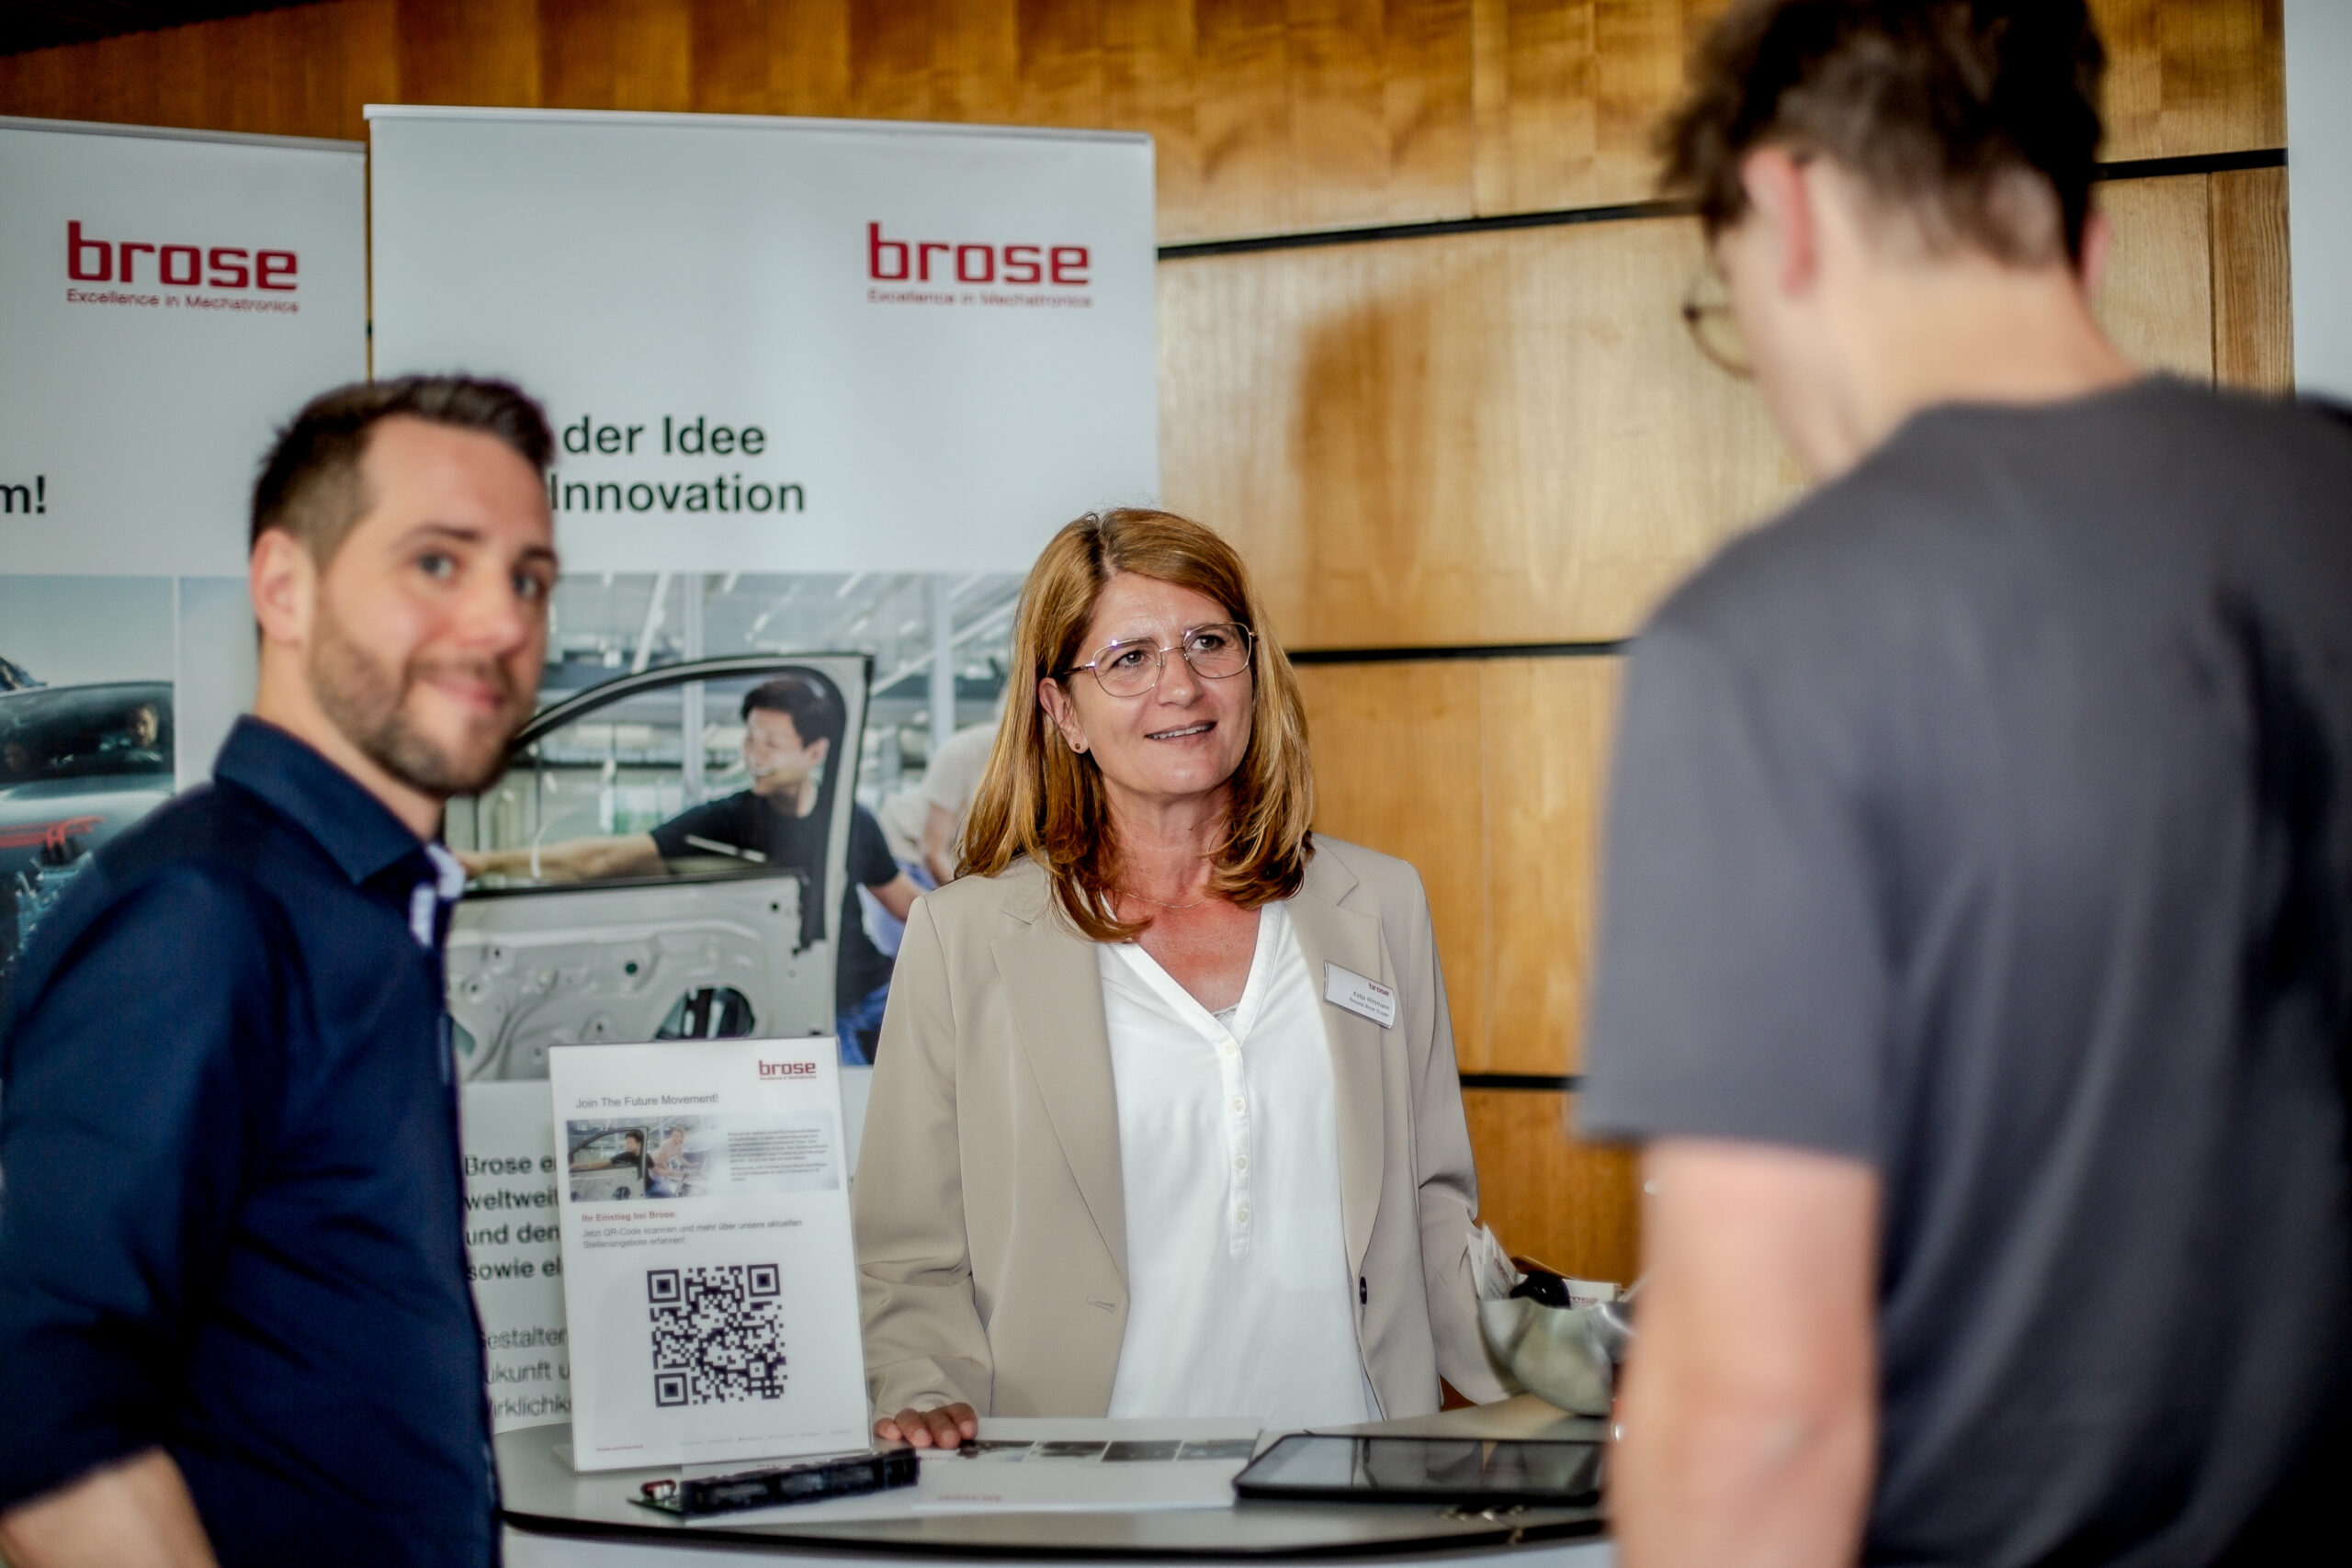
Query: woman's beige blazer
point(991, 1224)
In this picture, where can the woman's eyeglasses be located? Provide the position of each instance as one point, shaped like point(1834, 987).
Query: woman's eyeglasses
point(1130, 669)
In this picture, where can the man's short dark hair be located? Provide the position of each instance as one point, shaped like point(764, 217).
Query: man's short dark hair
point(1965, 114)
point(309, 485)
point(815, 715)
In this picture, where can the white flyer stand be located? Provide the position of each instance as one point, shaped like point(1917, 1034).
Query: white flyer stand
point(708, 1279)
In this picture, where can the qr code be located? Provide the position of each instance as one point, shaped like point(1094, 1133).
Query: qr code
point(717, 1333)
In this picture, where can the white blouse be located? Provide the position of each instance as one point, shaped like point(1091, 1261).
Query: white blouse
point(1238, 1296)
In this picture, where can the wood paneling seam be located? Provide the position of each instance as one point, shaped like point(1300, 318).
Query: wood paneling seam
point(1631, 212)
point(1603, 649)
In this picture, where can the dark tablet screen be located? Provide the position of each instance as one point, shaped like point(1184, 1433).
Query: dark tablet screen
point(1447, 1469)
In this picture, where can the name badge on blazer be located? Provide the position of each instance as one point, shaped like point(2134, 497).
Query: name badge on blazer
point(1365, 999)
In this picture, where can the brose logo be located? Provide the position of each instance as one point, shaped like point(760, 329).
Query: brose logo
point(787, 1069)
point(946, 261)
point(89, 260)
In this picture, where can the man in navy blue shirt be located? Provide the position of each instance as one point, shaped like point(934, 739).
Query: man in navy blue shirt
point(234, 1321)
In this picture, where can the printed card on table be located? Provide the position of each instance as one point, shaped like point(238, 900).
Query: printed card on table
point(708, 1273)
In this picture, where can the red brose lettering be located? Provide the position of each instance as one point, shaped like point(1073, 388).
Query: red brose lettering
point(179, 266)
point(787, 1069)
point(913, 261)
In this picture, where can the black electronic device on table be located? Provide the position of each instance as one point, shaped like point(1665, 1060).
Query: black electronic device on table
point(814, 1482)
point(1483, 1472)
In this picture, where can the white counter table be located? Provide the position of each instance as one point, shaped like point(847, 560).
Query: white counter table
point(556, 1516)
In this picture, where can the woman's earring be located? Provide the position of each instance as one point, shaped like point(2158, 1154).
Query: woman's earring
point(1077, 747)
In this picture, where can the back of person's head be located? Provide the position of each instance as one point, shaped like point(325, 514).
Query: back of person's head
point(1039, 799)
point(1976, 121)
point(310, 485)
point(815, 715)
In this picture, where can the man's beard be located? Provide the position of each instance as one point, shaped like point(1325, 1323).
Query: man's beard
point(368, 703)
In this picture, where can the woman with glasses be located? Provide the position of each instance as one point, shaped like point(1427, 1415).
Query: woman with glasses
point(1166, 1121)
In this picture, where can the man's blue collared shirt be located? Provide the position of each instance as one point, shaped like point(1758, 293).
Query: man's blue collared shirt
point(232, 1219)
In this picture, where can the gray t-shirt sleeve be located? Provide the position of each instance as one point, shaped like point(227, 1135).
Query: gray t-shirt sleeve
point(1741, 982)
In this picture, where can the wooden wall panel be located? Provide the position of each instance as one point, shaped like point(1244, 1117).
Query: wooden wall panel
point(300, 72)
point(1543, 744)
point(1568, 95)
point(1550, 1196)
point(483, 52)
point(2189, 76)
point(805, 52)
point(1150, 84)
point(635, 54)
point(1501, 437)
point(2253, 336)
point(1240, 129)
point(1397, 751)
point(1269, 115)
point(2156, 300)
point(1378, 99)
point(1486, 775)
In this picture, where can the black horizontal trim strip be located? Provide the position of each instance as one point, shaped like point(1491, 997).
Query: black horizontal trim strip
point(1457, 650)
point(2126, 169)
point(2194, 164)
point(1561, 1083)
point(1502, 221)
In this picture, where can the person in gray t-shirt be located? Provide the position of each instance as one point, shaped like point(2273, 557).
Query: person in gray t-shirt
point(1976, 951)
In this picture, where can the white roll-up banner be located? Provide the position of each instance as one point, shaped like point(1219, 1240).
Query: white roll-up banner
point(785, 345)
point(166, 300)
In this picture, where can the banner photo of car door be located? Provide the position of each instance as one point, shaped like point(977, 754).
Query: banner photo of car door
point(785, 345)
point(167, 299)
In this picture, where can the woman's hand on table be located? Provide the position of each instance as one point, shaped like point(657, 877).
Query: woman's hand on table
point(949, 1426)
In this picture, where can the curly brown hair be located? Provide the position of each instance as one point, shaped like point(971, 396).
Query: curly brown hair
point(1039, 799)
point(1968, 115)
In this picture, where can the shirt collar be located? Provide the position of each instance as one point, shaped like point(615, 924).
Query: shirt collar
point(357, 831)
point(430, 899)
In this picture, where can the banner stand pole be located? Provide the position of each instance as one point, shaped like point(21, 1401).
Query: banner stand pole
point(692, 587)
point(943, 663)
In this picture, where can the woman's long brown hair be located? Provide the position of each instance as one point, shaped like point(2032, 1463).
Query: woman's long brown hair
point(1038, 798)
